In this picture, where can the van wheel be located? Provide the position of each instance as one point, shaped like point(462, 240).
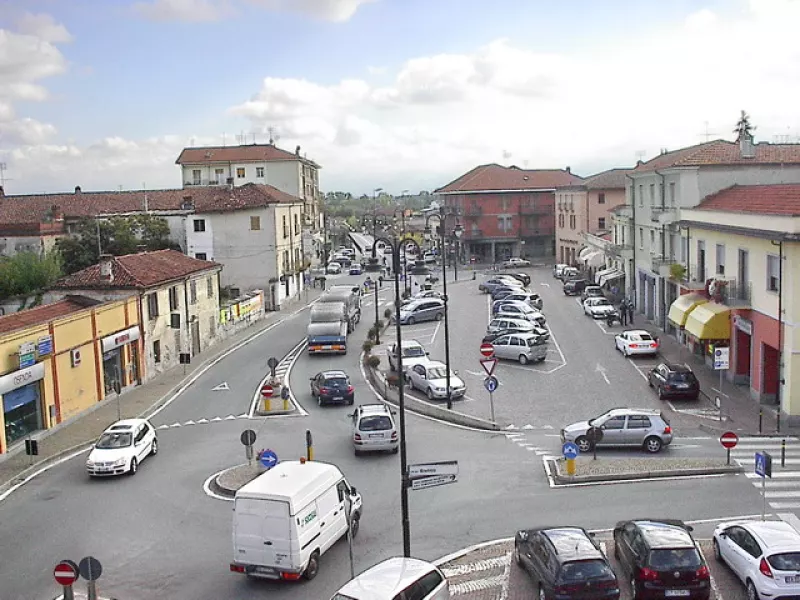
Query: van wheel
point(354, 523)
point(313, 567)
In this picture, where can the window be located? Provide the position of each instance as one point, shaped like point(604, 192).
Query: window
point(193, 291)
point(652, 241)
point(240, 172)
point(173, 298)
point(296, 224)
point(744, 270)
point(601, 198)
point(504, 203)
point(504, 222)
point(561, 221)
point(255, 223)
point(210, 287)
point(212, 324)
point(641, 195)
point(219, 175)
point(720, 259)
point(285, 227)
point(601, 223)
point(652, 194)
point(572, 221)
point(701, 260)
point(259, 171)
point(200, 255)
point(157, 351)
point(196, 178)
point(615, 423)
point(152, 305)
point(638, 422)
point(199, 225)
point(773, 281)
point(672, 194)
point(641, 238)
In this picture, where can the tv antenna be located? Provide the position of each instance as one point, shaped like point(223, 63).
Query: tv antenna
point(3, 177)
point(707, 133)
point(640, 154)
point(274, 136)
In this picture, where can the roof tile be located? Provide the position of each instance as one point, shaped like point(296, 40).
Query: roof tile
point(45, 313)
point(723, 152)
point(494, 177)
point(777, 199)
point(243, 153)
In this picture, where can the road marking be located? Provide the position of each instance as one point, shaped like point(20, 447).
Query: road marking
point(478, 565)
point(435, 331)
point(477, 585)
point(212, 494)
point(222, 387)
point(602, 370)
point(545, 284)
point(288, 360)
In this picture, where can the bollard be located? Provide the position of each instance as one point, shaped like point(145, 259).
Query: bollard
point(760, 418)
point(570, 466)
point(783, 452)
point(267, 403)
point(778, 422)
point(285, 396)
point(309, 445)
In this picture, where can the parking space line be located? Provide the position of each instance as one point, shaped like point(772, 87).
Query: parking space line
point(435, 331)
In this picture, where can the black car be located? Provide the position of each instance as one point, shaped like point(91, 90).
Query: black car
point(565, 563)
point(574, 287)
point(523, 278)
point(661, 559)
point(330, 387)
point(674, 381)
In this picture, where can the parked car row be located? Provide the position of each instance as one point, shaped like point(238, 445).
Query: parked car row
point(423, 374)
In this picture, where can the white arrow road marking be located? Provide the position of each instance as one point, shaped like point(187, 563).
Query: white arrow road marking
point(222, 387)
point(602, 370)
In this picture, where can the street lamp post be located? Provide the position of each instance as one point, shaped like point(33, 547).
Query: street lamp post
point(458, 231)
point(395, 246)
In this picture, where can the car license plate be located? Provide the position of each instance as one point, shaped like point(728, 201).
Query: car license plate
point(673, 593)
point(380, 435)
point(793, 579)
point(327, 347)
point(682, 386)
point(338, 397)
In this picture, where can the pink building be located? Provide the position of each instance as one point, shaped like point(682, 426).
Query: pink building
point(585, 207)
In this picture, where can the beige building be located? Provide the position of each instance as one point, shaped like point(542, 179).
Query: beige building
point(585, 207)
point(178, 300)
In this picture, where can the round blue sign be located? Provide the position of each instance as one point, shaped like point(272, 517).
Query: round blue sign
point(268, 458)
point(491, 383)
point(570, 450)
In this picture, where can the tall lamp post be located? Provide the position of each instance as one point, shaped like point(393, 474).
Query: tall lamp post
point(374, 267)
point(442, 219)
point(458, 231)
point(395, 245)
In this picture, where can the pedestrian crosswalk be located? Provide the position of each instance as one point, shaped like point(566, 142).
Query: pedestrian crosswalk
point(782, 490)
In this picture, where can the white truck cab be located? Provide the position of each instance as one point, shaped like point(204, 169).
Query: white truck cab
point(287, 518)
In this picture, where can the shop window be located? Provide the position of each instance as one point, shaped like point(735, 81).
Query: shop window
point(210, 287)
point(173, 298)
point(193, 291)
point(152, 305)
point(22, 410)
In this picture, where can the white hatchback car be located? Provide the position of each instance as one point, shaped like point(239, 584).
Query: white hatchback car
point(122, 447)
point(374, 429)
point(765, 555)
point(397, 578)
point(413, 354)
point(598, 308)
point(636, 341)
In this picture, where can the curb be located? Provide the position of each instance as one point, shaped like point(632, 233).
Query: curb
point(215, 487)
point(720, 431)
point(560, 479)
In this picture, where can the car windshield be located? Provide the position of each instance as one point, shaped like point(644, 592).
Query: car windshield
point(788, 561)
point(599, 302)
point(413, 351)
point(438, 373)
point(336, 381)
point(599, 419)
point(375, 423)
point(583, 570)
point(113, 439)
point(675, 558)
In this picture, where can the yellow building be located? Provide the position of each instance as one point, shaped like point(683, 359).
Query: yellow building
point(59, 359)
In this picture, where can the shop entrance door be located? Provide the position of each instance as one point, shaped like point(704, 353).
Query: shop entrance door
point(22, 411)
point(112, 371)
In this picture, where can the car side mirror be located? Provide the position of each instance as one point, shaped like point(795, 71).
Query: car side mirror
point(351, 415)
point(353, 491)
point(427, 354)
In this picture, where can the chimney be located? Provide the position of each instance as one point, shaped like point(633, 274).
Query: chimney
point(2, 192)
point(187, 203)
point(568, 170)
point(58, 214)
point(746, 146)
point(77, 189)
point(639, 162)
point(106, 270)
point(297, 151)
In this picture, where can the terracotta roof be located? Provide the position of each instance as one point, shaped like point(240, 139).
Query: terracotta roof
point(244, 153)
point(723, 152)
point(608, 180)
point(142, 270)
point(37, 208)
point(495, 177)
point(45, 313)
point(778, 199)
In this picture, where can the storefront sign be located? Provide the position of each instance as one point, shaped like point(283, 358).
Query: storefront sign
point(742, 324)
point(27, 355)
point(21, 378)
point(120, 338)
point(44, 345)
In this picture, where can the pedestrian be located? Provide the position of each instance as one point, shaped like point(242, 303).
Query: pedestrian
point(630, 310)
point(623, 314)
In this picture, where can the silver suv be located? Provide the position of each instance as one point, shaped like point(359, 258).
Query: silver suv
point(622, 427)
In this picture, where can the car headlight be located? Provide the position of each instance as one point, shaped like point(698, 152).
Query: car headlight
point(89, 463)
point(119, 462)
point(439, 390)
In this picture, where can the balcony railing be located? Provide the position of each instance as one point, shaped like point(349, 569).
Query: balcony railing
point(473, 211)
point(660, 214)
point(527, 209)
point(201, 182)
point(734, 293)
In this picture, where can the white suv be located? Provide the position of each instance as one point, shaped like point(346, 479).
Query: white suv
point(413, 354)
point(765, 555)
point(374, 429)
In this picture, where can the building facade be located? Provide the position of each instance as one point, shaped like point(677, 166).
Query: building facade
point(747, 240)
point(60, 359)
point(178, 300)
point(506, 211)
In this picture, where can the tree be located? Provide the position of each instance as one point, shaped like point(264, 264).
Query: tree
point(28, 273)
point(117, 236)
point(743, 127)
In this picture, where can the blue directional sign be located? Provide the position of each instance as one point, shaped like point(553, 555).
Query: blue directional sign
point(763, 464)
point(491, 383)
point(570, 450)
point(268, 458)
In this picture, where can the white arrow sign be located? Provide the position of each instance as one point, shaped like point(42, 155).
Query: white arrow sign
point(449, 467)
point(426, 482)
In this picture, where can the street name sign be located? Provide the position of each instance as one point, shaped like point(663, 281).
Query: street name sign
point(426, 482)
point(449, 467)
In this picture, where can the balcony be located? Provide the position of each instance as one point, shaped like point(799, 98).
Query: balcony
point(663, 214)
point(528, 209)
point(473, 211)
point(734, 293)
point(204, 182)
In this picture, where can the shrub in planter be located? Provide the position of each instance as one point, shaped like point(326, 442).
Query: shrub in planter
point(367, 346)
point(373, 361)
point(372, 333)
point(393, 380)
point(388, 313)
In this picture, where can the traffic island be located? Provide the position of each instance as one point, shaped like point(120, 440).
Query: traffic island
point(588, 470)
point(226, 483)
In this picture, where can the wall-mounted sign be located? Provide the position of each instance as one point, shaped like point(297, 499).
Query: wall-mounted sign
point(21, 378)
point(120, 338)
point(44, 345)
point(27, 355)
point(742, 324)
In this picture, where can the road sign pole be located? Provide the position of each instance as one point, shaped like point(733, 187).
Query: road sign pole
point(728, 462)
point(91, 590)
point(69, 594)
point(491, 404)
point(764, 498)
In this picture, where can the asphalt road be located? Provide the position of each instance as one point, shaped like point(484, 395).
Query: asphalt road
point(159, 535)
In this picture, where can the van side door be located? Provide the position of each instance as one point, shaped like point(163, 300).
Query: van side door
point(333, 520)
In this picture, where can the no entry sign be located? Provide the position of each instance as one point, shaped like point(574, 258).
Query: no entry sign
point(267, 390)
point(66, 572)
point(487, 349)
point(729, 440)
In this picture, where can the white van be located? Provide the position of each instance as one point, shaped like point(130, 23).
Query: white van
point(397, 579)
point(285, 519)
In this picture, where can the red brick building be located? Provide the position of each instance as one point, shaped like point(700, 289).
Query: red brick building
point(506, 211)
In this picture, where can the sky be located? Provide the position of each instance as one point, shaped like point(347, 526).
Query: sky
point(396, 94)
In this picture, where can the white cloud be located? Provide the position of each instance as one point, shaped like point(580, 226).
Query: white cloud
point(337, 11)
point(43, 27)
point(194, 11)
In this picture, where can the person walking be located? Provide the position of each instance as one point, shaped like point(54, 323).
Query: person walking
point(623, 313)
point(630, 310)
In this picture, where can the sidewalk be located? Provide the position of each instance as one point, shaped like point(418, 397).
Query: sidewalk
point(76, 433)
point(740, 412)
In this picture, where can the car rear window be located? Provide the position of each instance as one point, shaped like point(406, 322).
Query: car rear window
point(336, 381)
point(535, 341)
point(788, 561)
point(375, 423)
point(414, 351)
point(682, 377)
point(641, 337)
point(675, 558)
point(582, 570)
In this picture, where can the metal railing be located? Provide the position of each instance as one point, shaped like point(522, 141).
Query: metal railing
point(734, 292)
